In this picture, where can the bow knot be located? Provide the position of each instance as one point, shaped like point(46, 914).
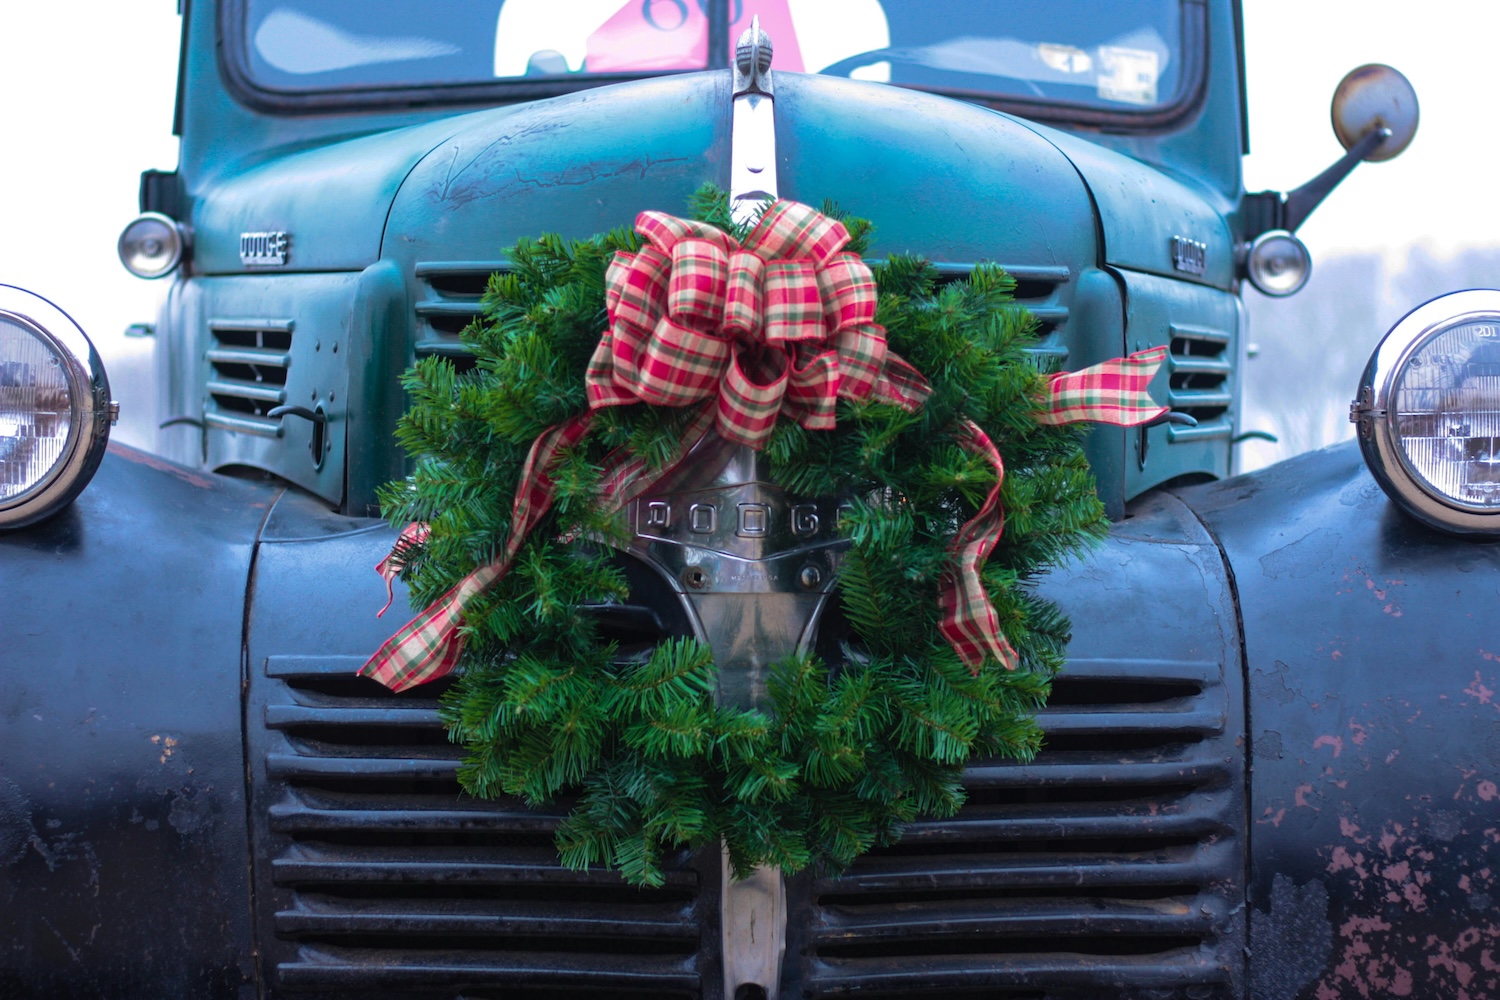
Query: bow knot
point(781, 323)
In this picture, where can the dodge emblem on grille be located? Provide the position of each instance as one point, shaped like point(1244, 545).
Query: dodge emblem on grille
point(267, 249)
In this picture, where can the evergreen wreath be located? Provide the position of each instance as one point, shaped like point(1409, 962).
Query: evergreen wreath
point(545, 707)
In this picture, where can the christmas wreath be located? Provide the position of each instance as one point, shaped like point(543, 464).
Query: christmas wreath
point(598, 363)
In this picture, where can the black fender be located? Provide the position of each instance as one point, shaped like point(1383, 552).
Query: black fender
point(123, 839)
point(1372, 664)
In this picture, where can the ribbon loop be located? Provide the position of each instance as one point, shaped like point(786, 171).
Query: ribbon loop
point(700, 276)
point(750, 397)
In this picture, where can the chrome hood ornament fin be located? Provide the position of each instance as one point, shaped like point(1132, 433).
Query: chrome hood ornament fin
point(752, 158)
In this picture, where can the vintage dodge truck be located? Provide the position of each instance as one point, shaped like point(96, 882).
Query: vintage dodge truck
point(1272, 765)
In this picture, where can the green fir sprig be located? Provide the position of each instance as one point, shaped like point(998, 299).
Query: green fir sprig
point(546, 707)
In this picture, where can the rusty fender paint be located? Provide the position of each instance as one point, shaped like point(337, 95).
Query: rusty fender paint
point(1373, 667)
point(122, 779)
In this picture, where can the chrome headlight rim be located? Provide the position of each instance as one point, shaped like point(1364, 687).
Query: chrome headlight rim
point(89, 402)
point(1378, 433)
point(177, 246)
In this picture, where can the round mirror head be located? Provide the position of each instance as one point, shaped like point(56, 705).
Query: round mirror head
point(1371, 97)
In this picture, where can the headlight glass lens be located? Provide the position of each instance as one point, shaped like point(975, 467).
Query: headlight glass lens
point(37, 411)
point(1445, 412)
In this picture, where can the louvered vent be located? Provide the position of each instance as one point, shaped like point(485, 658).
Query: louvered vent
point(1199, 367)
point(248, 370)
point(451, 292)
point(387, 879)
point(450, 297)
point(1108, 863)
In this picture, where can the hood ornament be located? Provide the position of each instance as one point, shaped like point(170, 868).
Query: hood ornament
point(752, 158)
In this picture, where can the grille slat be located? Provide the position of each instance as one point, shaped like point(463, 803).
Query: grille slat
point(1198, 722)
point(1049, 821)
point(941, 975)
point(428, 865)
point(328, 917)
point(1168, 916)
point(289, 766)
point(291, 716)
point(1167, 866)
point(1098, 772)
point(327, 967)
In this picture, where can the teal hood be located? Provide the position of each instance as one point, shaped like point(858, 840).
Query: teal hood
point(949, 180)
point(988, 187)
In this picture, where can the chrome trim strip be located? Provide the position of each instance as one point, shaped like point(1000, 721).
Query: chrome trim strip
point(252, 325)
point(243, 425)
point(249, 356)
point(248, 390)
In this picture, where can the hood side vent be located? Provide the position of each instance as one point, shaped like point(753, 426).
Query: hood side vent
point(1044, 290)
point(1199, 370)
point(448, 300)
point(248, 365)
point(1114, 852)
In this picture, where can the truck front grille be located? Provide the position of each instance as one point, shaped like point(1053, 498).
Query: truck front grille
point(1108, 860)
point(248, 365)
point(388, 878)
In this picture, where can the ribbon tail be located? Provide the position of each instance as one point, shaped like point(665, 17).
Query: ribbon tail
point(391, 566)
point(428, 646)
point(1111, 392)
point(969, 621)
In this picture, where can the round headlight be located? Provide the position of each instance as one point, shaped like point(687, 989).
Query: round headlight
point(1278, 263)
point(152, 245)
point(55, 409)
point(1428, 412)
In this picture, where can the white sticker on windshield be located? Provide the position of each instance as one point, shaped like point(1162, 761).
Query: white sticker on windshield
point(1064, 58)
point(1128, 75)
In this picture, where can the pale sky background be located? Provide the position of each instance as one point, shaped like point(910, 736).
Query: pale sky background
point(88, 91)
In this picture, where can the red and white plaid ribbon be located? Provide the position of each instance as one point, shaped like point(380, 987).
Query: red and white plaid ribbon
point(783, 323)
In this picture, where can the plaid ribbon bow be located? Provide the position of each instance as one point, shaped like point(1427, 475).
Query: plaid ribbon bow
point(783, 323)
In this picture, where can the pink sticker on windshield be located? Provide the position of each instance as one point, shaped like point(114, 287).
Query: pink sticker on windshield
point(645, 35)
point(650, 35)
point(776, 22)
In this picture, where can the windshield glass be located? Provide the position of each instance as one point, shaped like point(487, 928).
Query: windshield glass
point(1097, 53)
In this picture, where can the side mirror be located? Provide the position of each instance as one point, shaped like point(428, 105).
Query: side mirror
point(1375, 97)
point(1375, 117)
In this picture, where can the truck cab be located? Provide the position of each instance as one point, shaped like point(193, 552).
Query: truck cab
point(1268, 768)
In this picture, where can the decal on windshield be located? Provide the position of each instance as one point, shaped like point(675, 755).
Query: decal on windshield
point(1128, 75)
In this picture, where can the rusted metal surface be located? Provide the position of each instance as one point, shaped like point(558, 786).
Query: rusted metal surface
point(1373, 667)
point(122, 811)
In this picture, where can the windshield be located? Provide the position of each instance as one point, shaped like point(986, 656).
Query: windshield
point(1095, 53)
